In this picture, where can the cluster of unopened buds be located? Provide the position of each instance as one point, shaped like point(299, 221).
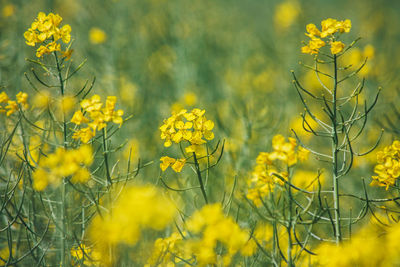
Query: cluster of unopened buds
point(99, 116)
point(329, 28)
point(266, 175)
point(45, 31)
point(11, 106)
point(388, 167)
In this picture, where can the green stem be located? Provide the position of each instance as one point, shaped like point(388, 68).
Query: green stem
point(289, 227)
point(335, 150)
point(63, 186)
point(198, 172)
point(62, 89)
point(105, 153)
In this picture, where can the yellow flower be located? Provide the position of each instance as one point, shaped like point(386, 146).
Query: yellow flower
point(46, 28)
point(286, 14)
point(178, 165)
point(65, 33)
point(313, 46)
point(99, 117)
point(79, 118)
point(336, 47)
point(210, 227)
point(22, 98)
point(8, 10)
point(187, 126)
point(63, 163)
point(312, 30)
point(12, 107)
point(137, 208)
point(97, 36)
point(329, 28)
point(85, 134)
point(3, 97)
point(166, 162)
point(388, 167)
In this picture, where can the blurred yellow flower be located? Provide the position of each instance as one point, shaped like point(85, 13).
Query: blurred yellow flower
point(286, 14)
point(97, 36)
point(61, 164)
point(8, 10)
point(209, 227)
point(137, 208)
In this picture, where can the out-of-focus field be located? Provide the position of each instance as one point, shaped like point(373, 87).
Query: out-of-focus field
point(231, 58)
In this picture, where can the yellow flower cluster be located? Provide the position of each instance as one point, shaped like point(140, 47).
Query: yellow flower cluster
point(137, 208)
point(167, 251)
point(328, 28)
point(187, 126)
point(85, 255)
point(192, 127)
point(176, 164)
point(99, 116)
point(45, 31)
point(388, 167)
point(11, 106)
point(212, 227)
point(263, 180)
point(371, 246)
point(61, 164)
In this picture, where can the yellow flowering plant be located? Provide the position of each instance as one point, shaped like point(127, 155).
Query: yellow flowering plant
point(211, 238)
point(46, 32)
point(64, 164)
point(268, 196)
point(330, 31)
point(341, 124)
point(388, 168)
point(192, 131)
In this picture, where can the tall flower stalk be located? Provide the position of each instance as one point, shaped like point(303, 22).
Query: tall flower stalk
point(344, 124)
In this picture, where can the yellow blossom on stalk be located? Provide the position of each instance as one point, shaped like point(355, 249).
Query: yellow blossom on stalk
point(11, 106)
point(336, 47)
point(167, 251)
point(45, 31)
point(265, 174)
point(209, 227)
point(63, 163)
point(84, 134)
point(176, 164)
point(312, 30)
point(137, 208)
point(329, 28)
point(22, 98)
point(85, 255)
point(98, 115)
point(192, 127)
point(388, 167)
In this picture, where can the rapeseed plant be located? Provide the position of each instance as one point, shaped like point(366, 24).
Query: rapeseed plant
point(83, 185)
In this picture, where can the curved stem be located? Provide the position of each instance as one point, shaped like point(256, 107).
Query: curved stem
point(198, 172)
